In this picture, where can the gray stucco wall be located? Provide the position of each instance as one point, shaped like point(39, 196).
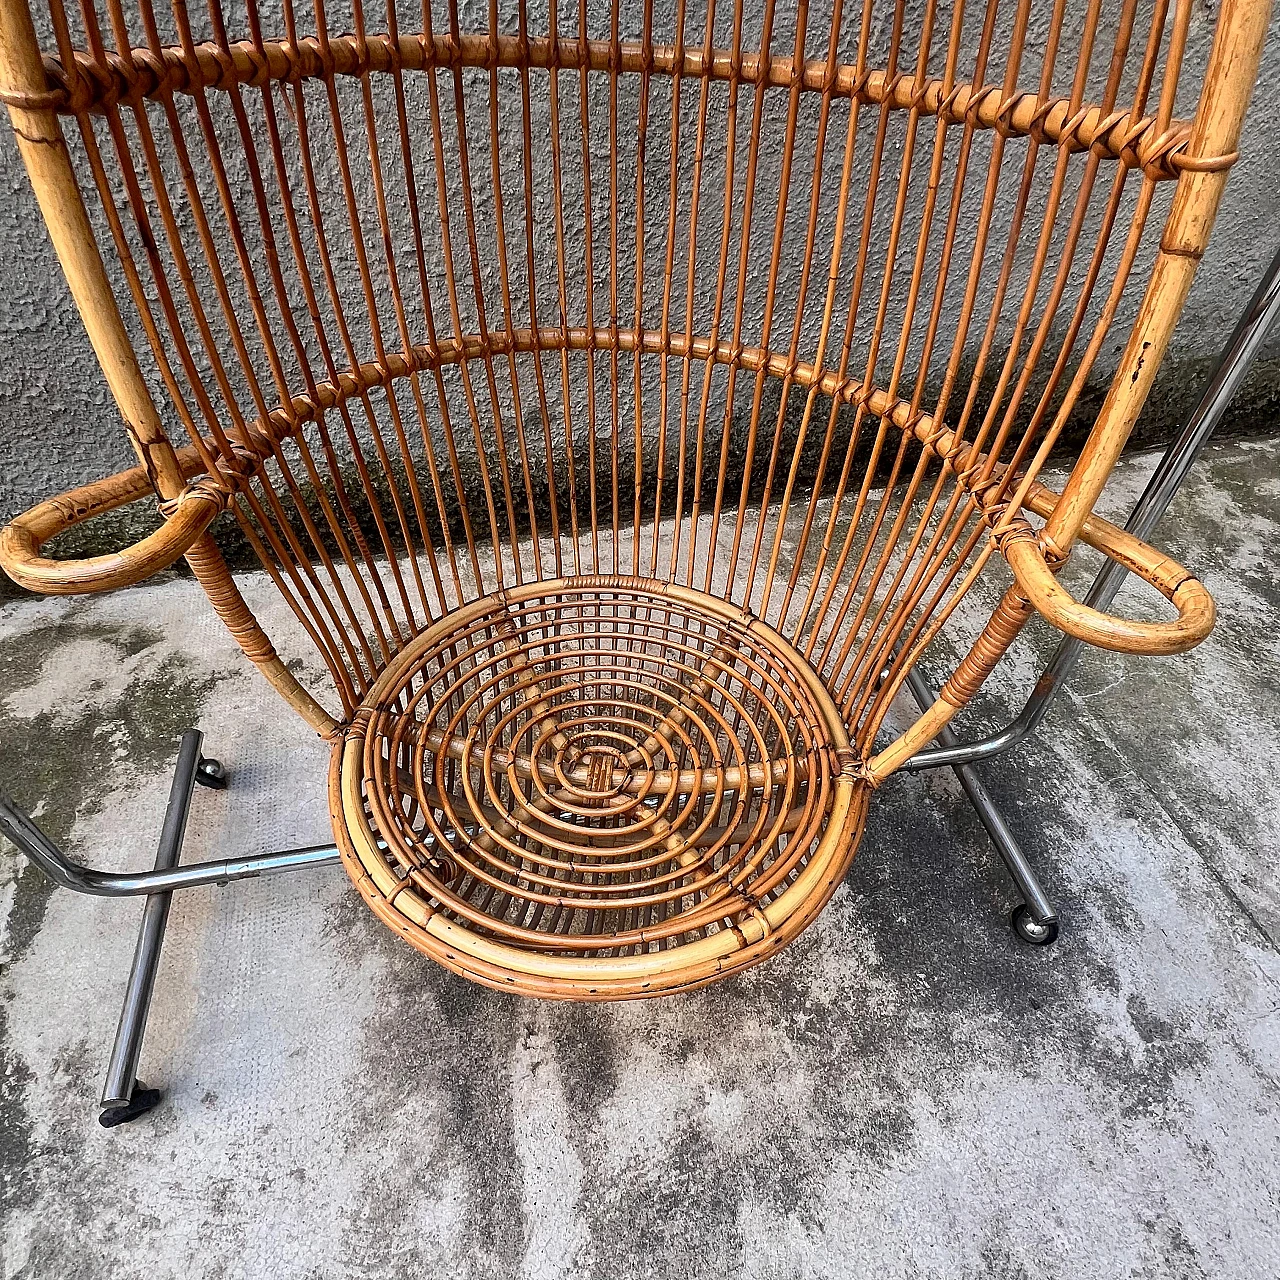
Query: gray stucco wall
point(58, 427)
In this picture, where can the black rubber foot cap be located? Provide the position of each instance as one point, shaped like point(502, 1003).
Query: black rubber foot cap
point(212, 773)
point(1039, 933)
point(140, 1102)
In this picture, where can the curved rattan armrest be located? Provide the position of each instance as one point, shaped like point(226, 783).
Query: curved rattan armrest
point(1027, 558)
point(188, 517)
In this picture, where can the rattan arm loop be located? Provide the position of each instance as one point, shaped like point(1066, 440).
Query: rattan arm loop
point(1029, 561)
point(187, 518)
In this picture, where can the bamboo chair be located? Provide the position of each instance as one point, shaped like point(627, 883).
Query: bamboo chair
point(621, 402)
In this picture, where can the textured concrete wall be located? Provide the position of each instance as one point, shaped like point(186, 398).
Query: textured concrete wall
point(58, 427)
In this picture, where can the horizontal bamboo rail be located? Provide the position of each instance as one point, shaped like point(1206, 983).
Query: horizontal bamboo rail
point(92, 86)
point(20, 542)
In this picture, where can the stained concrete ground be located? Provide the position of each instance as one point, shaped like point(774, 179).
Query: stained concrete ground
point(908, 1091)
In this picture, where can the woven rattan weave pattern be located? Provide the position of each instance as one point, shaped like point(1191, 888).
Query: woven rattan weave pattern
point(622, 398)
point(594, 768)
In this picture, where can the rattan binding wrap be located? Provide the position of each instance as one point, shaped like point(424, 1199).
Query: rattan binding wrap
point(622, 402)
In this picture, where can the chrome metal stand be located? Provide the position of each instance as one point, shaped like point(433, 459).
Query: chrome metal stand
point(1036, 920)
point(124, 1096)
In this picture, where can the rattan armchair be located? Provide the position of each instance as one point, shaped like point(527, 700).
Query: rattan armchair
point(622, 402)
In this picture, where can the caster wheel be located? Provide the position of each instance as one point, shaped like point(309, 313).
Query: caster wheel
point(1029, 929)
point(211, 773)
point(141, 1100)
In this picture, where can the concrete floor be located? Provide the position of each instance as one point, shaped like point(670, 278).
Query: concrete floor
point(906, 1092)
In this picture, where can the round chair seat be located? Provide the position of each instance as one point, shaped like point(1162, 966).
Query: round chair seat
point(596, 788)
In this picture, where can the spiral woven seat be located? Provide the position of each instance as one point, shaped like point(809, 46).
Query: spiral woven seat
point(597, 787)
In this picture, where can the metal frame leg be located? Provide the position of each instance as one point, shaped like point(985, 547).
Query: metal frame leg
point(124, 1096)
point(1036, 921)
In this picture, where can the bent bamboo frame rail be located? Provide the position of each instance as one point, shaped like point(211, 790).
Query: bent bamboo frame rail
point(1035, 577)
point(21, 540)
